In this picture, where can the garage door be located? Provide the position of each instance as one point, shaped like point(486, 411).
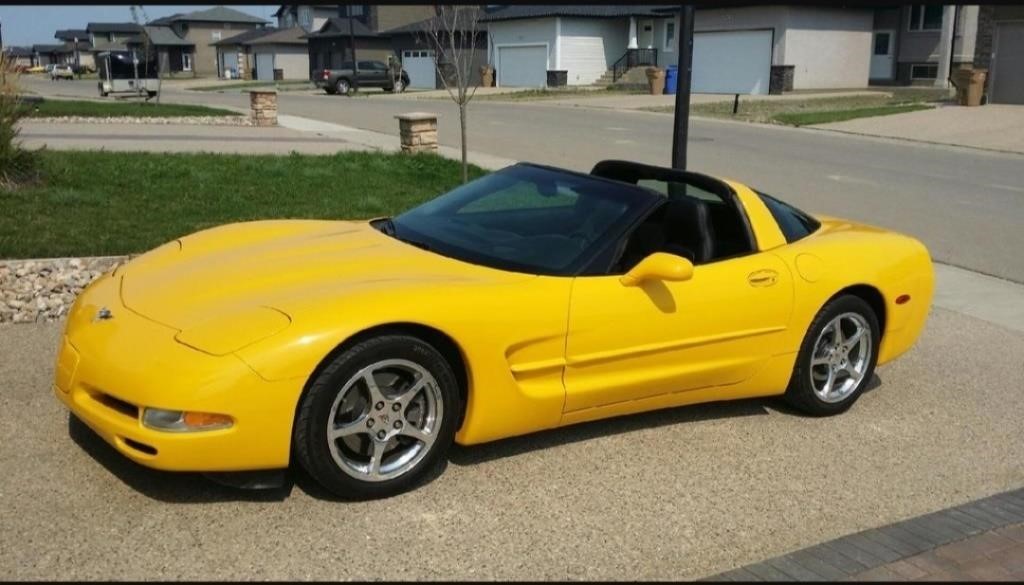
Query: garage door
point(732, 62)
point(1008, 64)
point(525, 66)
point(420, 67)
point(265, 66)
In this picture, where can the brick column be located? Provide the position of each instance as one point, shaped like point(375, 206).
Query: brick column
point(418, 131)
point(263, 107)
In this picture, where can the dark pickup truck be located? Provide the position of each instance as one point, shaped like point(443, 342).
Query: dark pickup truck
point(371, 74)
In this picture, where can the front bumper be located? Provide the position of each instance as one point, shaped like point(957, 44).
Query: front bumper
point(109, 370)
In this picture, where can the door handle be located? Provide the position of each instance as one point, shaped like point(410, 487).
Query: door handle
point(762, 278)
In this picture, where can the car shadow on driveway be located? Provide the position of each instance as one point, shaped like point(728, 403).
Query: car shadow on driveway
point(511, 447)
point(166, 486)
point(195, 488)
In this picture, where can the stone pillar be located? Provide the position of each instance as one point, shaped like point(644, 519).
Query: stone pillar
point(418, 131)
point(263, 107)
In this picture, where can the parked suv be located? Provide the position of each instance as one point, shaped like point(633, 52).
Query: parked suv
point(371, 74)
point(62, 72)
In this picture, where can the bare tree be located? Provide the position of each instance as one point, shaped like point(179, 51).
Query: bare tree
point(147, 51)
point(452, 34)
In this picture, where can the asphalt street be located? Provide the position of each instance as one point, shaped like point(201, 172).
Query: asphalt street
point(965, 204)
point(675, 494)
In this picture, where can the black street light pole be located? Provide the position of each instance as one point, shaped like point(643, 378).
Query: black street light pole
point(682, 120)
point(352, 47)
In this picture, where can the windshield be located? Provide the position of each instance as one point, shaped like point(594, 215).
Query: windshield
point(526, 219)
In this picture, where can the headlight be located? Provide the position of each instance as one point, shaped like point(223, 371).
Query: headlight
point(184, 421)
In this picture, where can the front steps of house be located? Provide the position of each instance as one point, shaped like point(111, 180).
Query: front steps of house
point(635, 76)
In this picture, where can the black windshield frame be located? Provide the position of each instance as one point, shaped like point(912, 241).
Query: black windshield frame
point(639, 202)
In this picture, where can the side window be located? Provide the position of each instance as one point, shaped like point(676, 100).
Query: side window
point(722, 228)
point(795, 224)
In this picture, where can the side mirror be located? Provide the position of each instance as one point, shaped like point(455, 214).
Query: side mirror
point(659, 266)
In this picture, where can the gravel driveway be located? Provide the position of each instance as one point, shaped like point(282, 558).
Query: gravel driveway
point(673, 495)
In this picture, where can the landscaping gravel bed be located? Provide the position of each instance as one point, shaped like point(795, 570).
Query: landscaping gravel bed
point(189, 120)
point(43, 290)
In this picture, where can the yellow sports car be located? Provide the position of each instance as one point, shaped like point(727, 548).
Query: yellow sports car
point(529, 299)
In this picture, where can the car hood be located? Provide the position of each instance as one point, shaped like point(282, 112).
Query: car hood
point(208, 274)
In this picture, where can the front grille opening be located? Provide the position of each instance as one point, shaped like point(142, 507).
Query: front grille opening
point(125, 408)
point(140, 446)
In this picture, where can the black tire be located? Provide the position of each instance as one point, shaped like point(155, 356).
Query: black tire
point(310, 441)
point(800, 393)
point(342, 86)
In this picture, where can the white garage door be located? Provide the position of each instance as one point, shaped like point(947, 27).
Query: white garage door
point(265, 66)
point(525, 66)
point(420, 67)
point(732, 62)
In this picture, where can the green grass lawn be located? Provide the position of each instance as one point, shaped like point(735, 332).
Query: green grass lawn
point(811, 118)
point(135, 109)
point(560, 93)
point(104, 203)
point(803, 112)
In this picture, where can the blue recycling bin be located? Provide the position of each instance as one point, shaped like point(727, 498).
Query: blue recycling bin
point(671, 78)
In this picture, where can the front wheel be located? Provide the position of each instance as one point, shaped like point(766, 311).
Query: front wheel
point(837, 358)
point(379, 418)
point(397, 87)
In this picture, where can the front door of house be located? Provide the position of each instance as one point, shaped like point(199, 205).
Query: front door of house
point(645, 36)
point(882, 57)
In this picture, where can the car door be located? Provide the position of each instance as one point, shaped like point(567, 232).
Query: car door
point(716, 329)
point(370, 74)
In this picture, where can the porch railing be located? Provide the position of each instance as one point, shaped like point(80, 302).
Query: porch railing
point(633, 58)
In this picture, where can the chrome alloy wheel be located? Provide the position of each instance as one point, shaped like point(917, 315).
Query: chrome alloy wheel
point(841, 357)
point(384, 420)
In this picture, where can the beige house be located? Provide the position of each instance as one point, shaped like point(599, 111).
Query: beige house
point(204, 28)
point(265, 54)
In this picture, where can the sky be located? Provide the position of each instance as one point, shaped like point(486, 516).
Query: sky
point(35, 25)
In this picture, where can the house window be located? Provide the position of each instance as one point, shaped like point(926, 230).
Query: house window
point(925, 17)
point(924, 71)
point(670, 35)
point(215, 35)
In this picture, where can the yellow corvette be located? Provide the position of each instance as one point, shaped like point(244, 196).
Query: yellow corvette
point(529, 299)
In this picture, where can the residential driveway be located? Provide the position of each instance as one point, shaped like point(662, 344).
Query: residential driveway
point(676, 494)
point(994, 127)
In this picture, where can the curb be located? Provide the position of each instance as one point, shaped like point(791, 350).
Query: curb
point(850, 555)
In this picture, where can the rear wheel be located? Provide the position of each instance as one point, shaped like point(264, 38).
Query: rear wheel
point(837, 358)
point(379, 418)
point(342, 86)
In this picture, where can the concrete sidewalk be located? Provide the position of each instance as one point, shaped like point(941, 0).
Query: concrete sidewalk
point(991, 127)
point(616, 101)
point(294, 134)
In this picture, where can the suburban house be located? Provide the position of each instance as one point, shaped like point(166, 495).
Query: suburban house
point(47, 54)
point(265, 54)
point(20, 56)
point(329, 44)
point(77, 47)
point(111, 36)
point(310, 17)
point(999, 48)
point(414, 49)
point(201, 29)
point(755, 49)
point(174, 54)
